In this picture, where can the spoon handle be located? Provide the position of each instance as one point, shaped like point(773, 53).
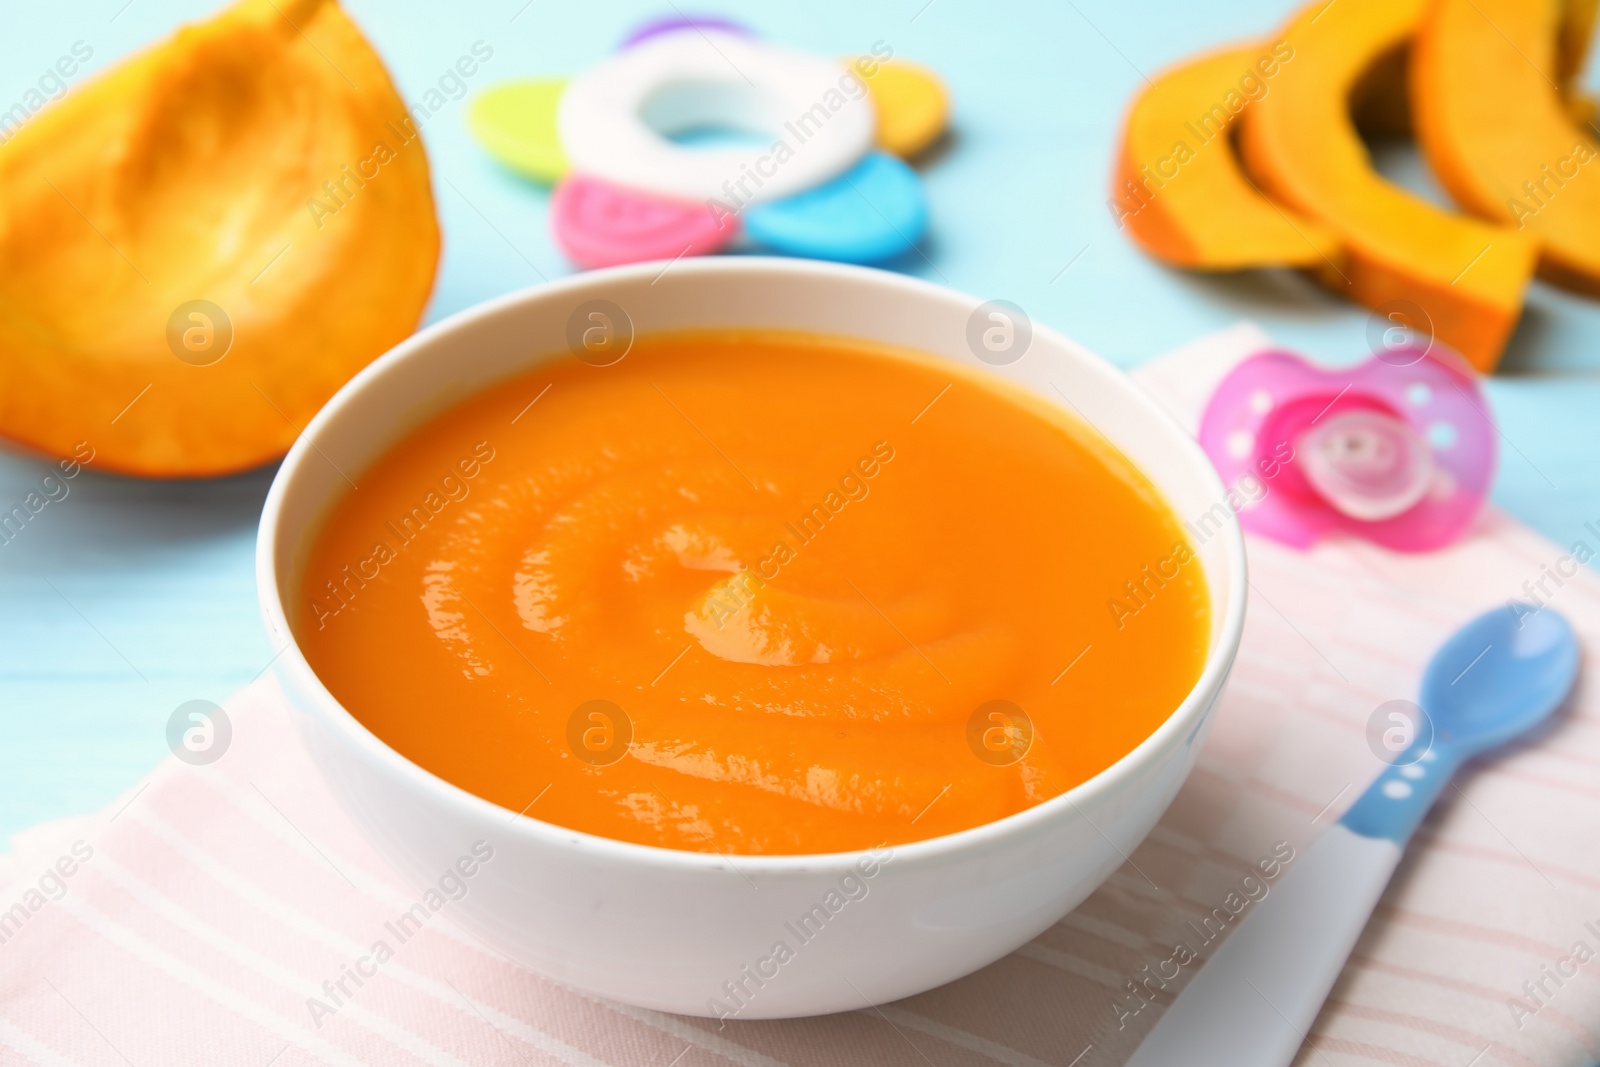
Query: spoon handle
point(1255, 999)
point(1394, 804)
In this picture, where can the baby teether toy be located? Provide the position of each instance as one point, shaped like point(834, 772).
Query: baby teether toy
point(815, 169)
point(1399, 449)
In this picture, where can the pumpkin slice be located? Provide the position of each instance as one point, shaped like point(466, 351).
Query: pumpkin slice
point(1301, 144)
point(1178, 186)
point(200, 246)
point(1500, 135)
point(1572, 48)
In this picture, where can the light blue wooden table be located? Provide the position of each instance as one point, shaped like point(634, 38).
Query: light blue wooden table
point(128, 598)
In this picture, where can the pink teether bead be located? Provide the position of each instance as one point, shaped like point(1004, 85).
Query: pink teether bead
point(598, 224)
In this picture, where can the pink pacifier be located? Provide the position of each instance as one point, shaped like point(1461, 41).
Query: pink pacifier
point(1399, 450)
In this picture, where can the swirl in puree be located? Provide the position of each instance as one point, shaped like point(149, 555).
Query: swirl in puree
point(756, 592)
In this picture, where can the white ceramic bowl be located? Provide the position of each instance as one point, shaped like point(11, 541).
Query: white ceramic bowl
point(695, 932)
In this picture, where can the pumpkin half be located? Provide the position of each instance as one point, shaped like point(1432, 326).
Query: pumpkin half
point(1301, 144)
point(1178, 186)
point(199, 247)
point(1500, 134)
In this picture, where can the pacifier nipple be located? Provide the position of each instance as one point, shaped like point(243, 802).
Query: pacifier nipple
point(1368, 465)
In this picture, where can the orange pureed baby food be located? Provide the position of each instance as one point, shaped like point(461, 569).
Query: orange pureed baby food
point(756, 593)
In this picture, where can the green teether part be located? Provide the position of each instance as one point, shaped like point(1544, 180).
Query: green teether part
point(516, 123)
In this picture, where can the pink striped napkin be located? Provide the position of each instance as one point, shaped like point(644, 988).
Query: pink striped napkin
point(196, 920)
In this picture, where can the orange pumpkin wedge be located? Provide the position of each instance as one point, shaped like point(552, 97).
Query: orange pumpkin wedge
point(200, 246)
point(1301, 145)
point(1572, 49)
point(1499, 134)
point(1178, 186)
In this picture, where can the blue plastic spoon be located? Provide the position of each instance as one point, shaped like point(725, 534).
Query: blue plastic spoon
point(1253, 1002)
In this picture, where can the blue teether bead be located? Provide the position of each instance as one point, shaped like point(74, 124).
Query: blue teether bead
point(872, 212)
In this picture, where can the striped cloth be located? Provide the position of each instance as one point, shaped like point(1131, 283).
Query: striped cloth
point(193, 920)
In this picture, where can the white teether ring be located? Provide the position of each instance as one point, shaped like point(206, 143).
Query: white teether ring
point(679, 81)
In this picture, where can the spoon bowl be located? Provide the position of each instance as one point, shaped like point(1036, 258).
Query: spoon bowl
point(1498, 676)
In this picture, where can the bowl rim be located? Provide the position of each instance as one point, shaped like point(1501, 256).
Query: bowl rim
point(291, 666)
